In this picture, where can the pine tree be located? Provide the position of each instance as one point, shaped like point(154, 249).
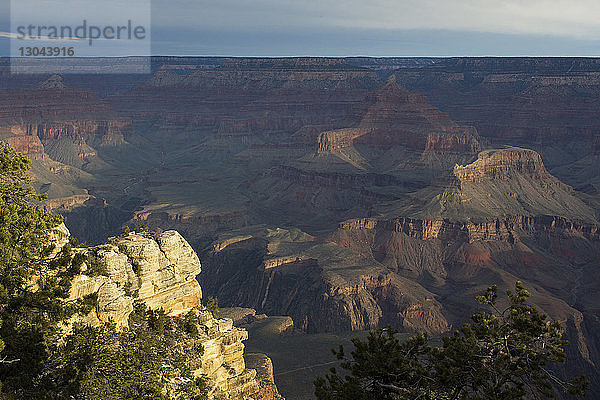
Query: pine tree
point(32, 286)
point(503, 354)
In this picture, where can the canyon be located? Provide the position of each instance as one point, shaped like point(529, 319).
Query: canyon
point(346, 194)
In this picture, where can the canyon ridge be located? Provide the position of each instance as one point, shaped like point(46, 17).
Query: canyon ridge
point(325, 196)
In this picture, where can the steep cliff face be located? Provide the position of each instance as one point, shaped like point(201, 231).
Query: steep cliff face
point(102, 132)
point(501, 165)
point(36, 117)
point(331, 141)
point(322, 285)
point(29, 145)
point(447, 144)
point(508, 228)
point(264, 373)
point(160, 271)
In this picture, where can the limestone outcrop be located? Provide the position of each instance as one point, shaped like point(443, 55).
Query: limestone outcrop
point(166, 267)
point(502, 165)
point(160, 271)
point(264, 373)
point(510, 181)
point(222, 361)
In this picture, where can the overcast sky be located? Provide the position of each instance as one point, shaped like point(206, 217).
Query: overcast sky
point(364, 27)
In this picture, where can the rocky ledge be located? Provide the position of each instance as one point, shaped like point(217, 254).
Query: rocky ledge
point(501, 165)
point(331, 141)
point(160, 271)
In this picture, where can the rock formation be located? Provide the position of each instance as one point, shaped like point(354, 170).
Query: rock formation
point(451, 143)
point(264, 374)
point(503, 182)
point(331, 141)
point(29, 145)
point(513, 98)
point(546, 104)
point(160, 271)
point(398, 117)
point(241, 100)
point(323, 286)
point(501, 165)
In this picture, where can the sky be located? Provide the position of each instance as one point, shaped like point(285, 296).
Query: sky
point(349, 27)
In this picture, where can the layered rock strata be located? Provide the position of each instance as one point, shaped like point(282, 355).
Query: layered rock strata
point(401, 118)
point(502, 165)
point(160, 271)
point(35, 117)
point(322, 285)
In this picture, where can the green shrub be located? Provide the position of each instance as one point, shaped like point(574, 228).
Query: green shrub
point(212, 305)
point(95, 265)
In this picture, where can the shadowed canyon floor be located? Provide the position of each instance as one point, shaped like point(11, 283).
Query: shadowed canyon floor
point(346, 194)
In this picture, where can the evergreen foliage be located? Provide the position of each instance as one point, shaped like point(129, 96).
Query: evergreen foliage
point(32, 285)
point(146, 362)
point(504, 354)
point(212, 305)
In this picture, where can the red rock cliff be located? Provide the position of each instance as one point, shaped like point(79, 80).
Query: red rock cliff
point(500, 164)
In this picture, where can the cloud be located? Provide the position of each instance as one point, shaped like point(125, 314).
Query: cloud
point(347, 27)
point(570, 18)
